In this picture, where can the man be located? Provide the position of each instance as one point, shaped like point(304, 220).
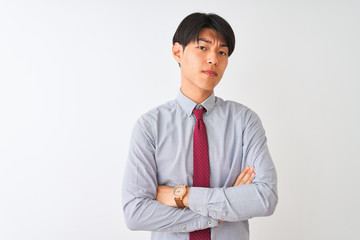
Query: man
point(192, 161)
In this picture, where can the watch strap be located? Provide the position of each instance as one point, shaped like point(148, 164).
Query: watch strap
point(180, 203)
point(179, 199)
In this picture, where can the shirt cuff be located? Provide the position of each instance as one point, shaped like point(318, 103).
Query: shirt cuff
point(203, 223)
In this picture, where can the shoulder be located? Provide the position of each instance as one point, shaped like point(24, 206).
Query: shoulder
point(236, 109)
point(149, 119)
point(158, 111)
point(146, 124)
point(248, 119)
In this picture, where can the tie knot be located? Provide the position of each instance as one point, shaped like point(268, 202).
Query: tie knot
point(199, 113)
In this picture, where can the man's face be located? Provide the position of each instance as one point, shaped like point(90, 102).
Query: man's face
point(203, 63)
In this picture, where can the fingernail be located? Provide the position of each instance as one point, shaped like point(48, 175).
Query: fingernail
point(253, 174)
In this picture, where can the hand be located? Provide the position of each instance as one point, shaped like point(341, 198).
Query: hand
point(165, 193)
point(245, 177)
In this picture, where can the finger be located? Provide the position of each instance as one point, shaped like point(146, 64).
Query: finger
point(240, 177)
point(249, 181)
point(247, 175)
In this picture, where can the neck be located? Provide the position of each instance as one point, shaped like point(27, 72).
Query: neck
point(197, 95)
point(194, 92)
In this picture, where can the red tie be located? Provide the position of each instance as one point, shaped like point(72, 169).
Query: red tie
point(201, 176)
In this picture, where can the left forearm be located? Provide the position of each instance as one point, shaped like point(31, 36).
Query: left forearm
point(234, 203)
point(166, 197)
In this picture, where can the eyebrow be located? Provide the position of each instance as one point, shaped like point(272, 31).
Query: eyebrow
point(210, 42)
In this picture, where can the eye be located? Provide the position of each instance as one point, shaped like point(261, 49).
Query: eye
point(202, 48)
point(222, 53)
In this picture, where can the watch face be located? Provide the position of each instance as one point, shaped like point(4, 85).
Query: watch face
point(179, 191)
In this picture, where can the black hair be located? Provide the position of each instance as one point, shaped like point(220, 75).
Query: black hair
point(190, 27)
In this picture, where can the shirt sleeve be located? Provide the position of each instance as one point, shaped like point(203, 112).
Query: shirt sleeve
point(139, 189)
point(244, 201)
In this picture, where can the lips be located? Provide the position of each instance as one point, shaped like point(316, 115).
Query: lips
point(210, 73)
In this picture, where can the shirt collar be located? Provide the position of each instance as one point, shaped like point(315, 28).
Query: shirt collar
point(188, 105)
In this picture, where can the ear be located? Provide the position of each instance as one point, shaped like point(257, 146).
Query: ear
point(177, 51)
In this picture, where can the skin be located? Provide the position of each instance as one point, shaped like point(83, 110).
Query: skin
point(198, 58)
point(202, 64)
point(165, 193)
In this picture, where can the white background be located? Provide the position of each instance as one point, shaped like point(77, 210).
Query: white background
point(75, 76)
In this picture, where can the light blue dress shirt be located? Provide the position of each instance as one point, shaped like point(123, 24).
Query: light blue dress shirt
point(161, 153)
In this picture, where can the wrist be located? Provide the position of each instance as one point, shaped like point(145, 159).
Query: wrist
point(186, 197)
point(179, 192)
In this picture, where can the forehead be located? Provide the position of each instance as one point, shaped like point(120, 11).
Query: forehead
point(212, 35)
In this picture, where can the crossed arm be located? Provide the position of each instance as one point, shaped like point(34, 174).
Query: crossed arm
point(146, 205)
point(165, 193)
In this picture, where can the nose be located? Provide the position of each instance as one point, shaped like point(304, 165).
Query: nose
point(212, 59)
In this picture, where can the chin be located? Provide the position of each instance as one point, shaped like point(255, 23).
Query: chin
point(209, 87)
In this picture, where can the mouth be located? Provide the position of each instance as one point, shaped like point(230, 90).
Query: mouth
point(210, 73)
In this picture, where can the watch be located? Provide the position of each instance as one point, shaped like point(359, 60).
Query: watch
point(179, 192)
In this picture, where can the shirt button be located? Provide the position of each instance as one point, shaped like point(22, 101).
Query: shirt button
point(223, 218)
point(209, 223)
point(183, 229)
